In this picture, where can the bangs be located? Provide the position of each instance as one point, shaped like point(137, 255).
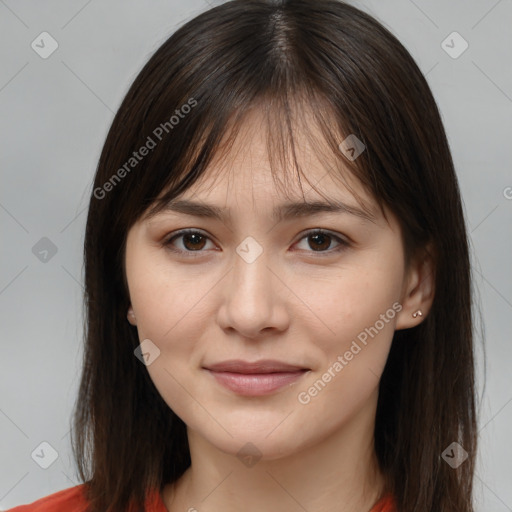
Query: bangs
point(289, 120)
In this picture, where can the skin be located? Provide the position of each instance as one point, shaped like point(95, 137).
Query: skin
point(293, 304)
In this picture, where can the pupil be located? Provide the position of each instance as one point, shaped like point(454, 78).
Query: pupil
point(192, 236)
point(322, 237)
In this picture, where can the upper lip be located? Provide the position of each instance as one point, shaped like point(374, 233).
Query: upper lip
point(262, 366)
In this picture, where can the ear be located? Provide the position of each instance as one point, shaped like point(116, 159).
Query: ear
point(418, 290)
point(131, 316)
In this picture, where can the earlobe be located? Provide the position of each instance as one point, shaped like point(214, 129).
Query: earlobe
point(131, 316)
point(418, 294)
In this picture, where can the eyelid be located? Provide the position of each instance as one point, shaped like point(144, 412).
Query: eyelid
point(343, 241)
point(166, 242)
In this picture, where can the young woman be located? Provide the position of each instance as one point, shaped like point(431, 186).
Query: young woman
point(278, 287)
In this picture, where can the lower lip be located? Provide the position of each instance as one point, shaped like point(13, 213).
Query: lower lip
point(256, 384)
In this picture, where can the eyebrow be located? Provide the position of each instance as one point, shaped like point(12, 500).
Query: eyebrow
point(282, 212)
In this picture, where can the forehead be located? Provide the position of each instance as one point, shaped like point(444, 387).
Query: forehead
point(262, 160)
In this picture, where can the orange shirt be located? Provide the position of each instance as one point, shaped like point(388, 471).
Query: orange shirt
point(73, 500)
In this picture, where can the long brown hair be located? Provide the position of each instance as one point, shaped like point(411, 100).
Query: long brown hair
point(285, 58)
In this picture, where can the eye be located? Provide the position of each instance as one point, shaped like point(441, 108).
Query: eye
point(319, 240)
point(194, 241)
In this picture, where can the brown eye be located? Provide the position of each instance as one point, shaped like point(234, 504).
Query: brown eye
point(192, 241)
point(321, 241)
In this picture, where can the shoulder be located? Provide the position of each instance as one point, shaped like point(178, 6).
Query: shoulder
point(71, 499)
point(385, 504)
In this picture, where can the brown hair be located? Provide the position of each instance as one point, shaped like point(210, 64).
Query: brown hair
point(285, 57)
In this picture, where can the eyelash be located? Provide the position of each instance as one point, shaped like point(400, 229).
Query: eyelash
point(343, 244)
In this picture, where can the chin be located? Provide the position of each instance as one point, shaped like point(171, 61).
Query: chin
point(265, 442)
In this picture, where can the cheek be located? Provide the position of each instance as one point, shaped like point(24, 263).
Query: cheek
point(166, 309)
point(353, 361)
point(164, 301)
point(360, 310)
point(349, 304)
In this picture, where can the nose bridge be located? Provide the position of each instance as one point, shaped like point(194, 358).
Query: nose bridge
point(251, 297)
point(252, 277)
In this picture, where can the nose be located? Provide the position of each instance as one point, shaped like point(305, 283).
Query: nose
point(253, 298)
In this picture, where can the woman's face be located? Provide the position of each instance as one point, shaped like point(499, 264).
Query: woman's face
point(255, 287)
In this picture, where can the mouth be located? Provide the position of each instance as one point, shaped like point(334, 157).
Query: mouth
point(255, 378)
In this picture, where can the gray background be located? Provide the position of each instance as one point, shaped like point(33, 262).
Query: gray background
point(54, 116)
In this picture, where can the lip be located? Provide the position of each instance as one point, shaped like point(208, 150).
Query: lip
point(262, 366)
point(255, 378)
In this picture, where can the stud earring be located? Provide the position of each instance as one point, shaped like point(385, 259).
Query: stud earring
point(417, 313)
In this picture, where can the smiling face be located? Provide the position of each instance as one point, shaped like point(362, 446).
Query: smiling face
point(252, 286)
